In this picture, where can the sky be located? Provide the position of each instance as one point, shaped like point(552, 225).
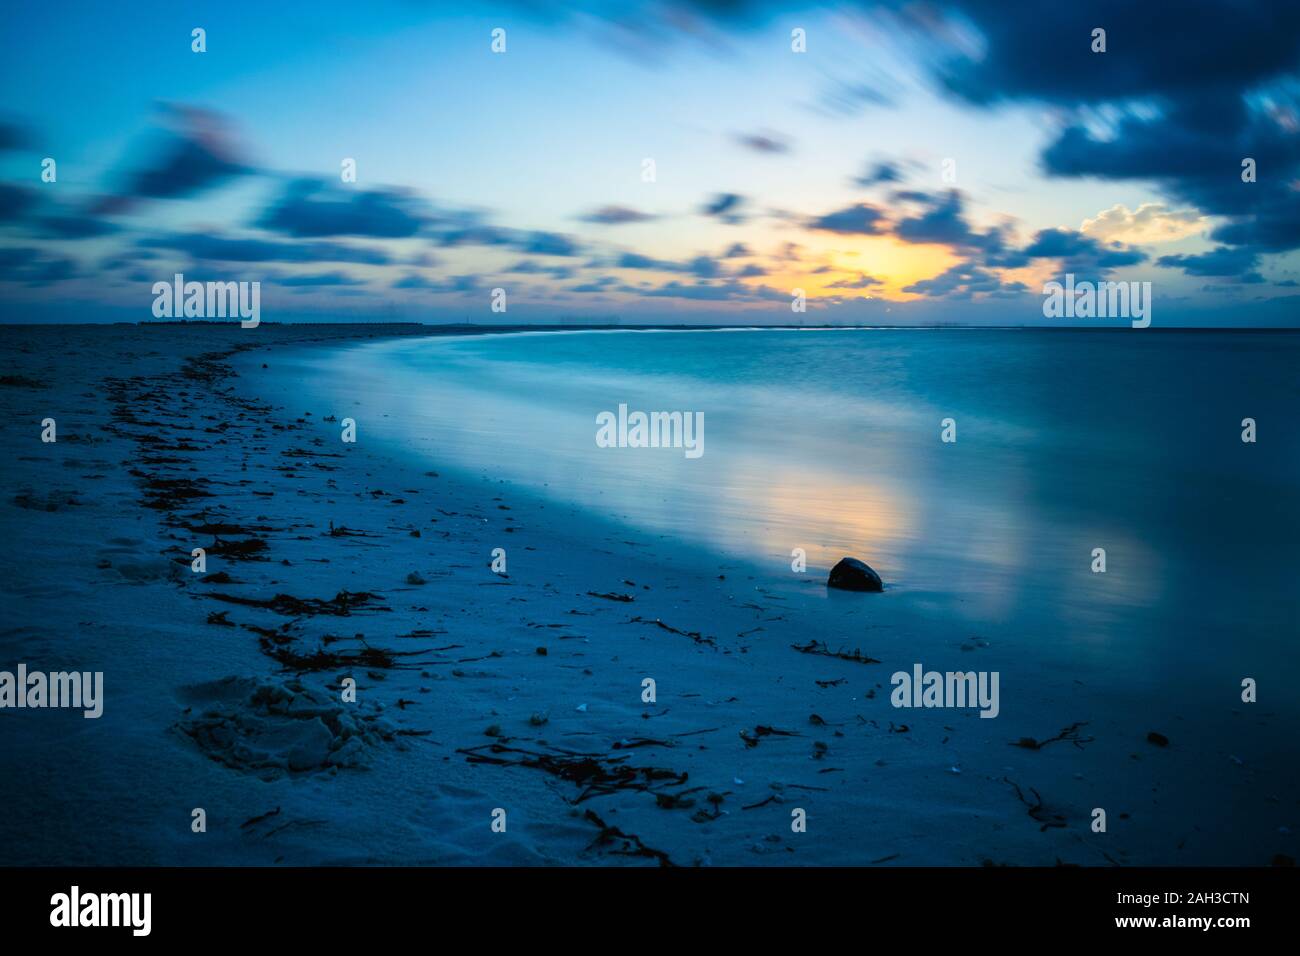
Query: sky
point(644, 163)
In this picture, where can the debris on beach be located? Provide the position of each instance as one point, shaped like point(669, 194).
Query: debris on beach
point(850, 574)
point(323, 660)
point(1036, 809)
point(341, 605)
point(696, 636)
point(627, 844)
point(1160, 740)
point(250, 549)
point(762, 731)
point(1070, 733)
point(817, 647)
point(595, 774)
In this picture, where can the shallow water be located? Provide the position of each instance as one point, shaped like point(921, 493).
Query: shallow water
point(830, 441)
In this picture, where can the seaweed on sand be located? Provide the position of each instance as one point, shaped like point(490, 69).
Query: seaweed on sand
point(630, 844)
point(596, 774)
point(762, 730)
point(823, 650)
point(1036, 809)
point(323, 660)
point(341, 605)
point(250, 549)
point(696, 636)
point(1070, 733)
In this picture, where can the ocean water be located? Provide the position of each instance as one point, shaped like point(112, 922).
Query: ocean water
point(830, 441)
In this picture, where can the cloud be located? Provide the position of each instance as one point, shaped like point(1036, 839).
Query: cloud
point(599, 284)
point(963, 281)
point(15, 201)
point(843, 98)
point(321, 279)
point(1081, 253)
point(452, 284)
point(529, 267)
point(861, 219)
point(33, 267)
point(1151, 222)
point(715, 292)
point(864, 281)
point(616, 216)
point(73, 227)
point(216, 248)
point(1223, 91)
point(769, 143)
point(314, 208)
point(194, 152)
point(704, 267)
point(635, 260)
point(1222, 261)
point(943, 223)
point(547, 244)
point(12, 135)
point(881, 172)
point(1216, 45)
point(724, 206)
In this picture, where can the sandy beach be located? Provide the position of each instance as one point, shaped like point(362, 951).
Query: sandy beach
point(478, 692)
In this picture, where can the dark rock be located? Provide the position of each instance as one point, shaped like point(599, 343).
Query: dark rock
point(1159, 739)
point(854, 575)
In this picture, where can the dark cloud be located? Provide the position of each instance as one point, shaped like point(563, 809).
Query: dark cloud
point(452, 284)
point(214, 248)
point(634, 260)
point(528, 266)
point(547, 244)
point(330, 279)
point(714, 292)
point(1081, 253)
point(862, 282)
point(704, 267)
point(1223, 261)
point(73, 227)
point(12, 135)
point(881, 172)
point(963, 281)
point(725, 206)
point(196, 153)
point(314, 208)
point(943, 222)
point(616, 216)
point(29, 211)
point(599, 284)
point(15, 201)
point(769, 143)
point(33, 267)
point(861, 219)
point(1201, 47)
point(1217, 80)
